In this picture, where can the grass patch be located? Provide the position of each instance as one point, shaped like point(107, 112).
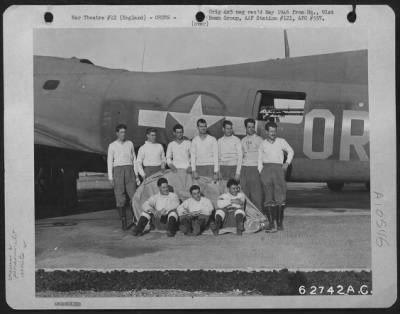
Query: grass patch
point(281, 282)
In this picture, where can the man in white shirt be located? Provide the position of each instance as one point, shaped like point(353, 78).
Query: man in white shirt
point(151, 157)
point(122, 173)
point(230, 205)
point(194, 213)
point(161, 206)
point(272, 168)
point(178, 151)
point(204, 153)
point(229, 153)
point(250, 181)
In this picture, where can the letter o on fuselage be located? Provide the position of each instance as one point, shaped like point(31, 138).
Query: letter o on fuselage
point(329, 118)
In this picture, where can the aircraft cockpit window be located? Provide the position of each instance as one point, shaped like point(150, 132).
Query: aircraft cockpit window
point(280, 106)
point(51, 84)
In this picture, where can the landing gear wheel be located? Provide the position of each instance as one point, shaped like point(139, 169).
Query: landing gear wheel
point(335, 186)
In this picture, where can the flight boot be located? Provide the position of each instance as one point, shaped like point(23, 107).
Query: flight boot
point(216, 225)
point(152, 224)
point(271, 225)
point(185, 225)
point(164, 219)
point(203, 222)
point(280, 209)
point(239, 224)
point(122, 216)
point(172, 226)
point(274, 212)
point(138, 229)
point(128, 209)
point(196, 226)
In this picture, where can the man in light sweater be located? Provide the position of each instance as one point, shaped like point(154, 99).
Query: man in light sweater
point(229, 153)
point(272, 168)
point(161, 206)
point(178, 151)
point(151, 157)
point(230, 205)
point(204, 153)
point(122, 173)
point(194, 213)
point(250, 181)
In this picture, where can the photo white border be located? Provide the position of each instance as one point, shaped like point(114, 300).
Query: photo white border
point(19, 22)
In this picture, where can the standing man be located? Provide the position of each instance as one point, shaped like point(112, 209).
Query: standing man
point(204, 153)
point(178, 151)
point(194, 213)
point(272, 167)
point(122, 173)
point(230, 153)
point(231, 203)
point(162, 206)
point(250, 181)
point(151, 157)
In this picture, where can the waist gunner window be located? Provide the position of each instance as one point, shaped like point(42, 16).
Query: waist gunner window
point(280, 106)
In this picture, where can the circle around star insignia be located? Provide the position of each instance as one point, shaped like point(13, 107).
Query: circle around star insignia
point(188, 108)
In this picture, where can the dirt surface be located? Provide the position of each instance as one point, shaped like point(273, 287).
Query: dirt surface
point(315, 237)
point(308, 242)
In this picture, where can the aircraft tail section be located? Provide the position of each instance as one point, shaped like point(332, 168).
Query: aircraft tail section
point(287, 50)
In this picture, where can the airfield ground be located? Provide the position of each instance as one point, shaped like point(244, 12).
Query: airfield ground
point(324, 231)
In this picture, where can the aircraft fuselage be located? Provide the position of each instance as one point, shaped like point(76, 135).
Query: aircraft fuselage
point(331, 139)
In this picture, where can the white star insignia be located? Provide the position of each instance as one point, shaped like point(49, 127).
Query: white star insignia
point(189, 120)
point(153, 118)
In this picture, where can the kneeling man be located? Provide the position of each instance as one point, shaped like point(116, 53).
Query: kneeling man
point(160, 206)
point(194, 213)
point(231, 203)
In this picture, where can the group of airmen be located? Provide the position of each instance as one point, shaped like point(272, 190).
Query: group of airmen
point(253, 167)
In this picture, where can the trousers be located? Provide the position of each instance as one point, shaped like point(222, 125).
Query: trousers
point(273, 179)
point(251, 185)
point(124, 184)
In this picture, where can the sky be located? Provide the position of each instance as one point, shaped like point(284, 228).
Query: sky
point(153, 50)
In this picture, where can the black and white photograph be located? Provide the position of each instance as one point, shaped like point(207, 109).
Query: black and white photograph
point(201, 161)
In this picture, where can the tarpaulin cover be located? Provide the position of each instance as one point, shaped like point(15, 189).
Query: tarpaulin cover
point(181, 182)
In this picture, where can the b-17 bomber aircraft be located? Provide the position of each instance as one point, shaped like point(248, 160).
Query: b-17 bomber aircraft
point(320, 103)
